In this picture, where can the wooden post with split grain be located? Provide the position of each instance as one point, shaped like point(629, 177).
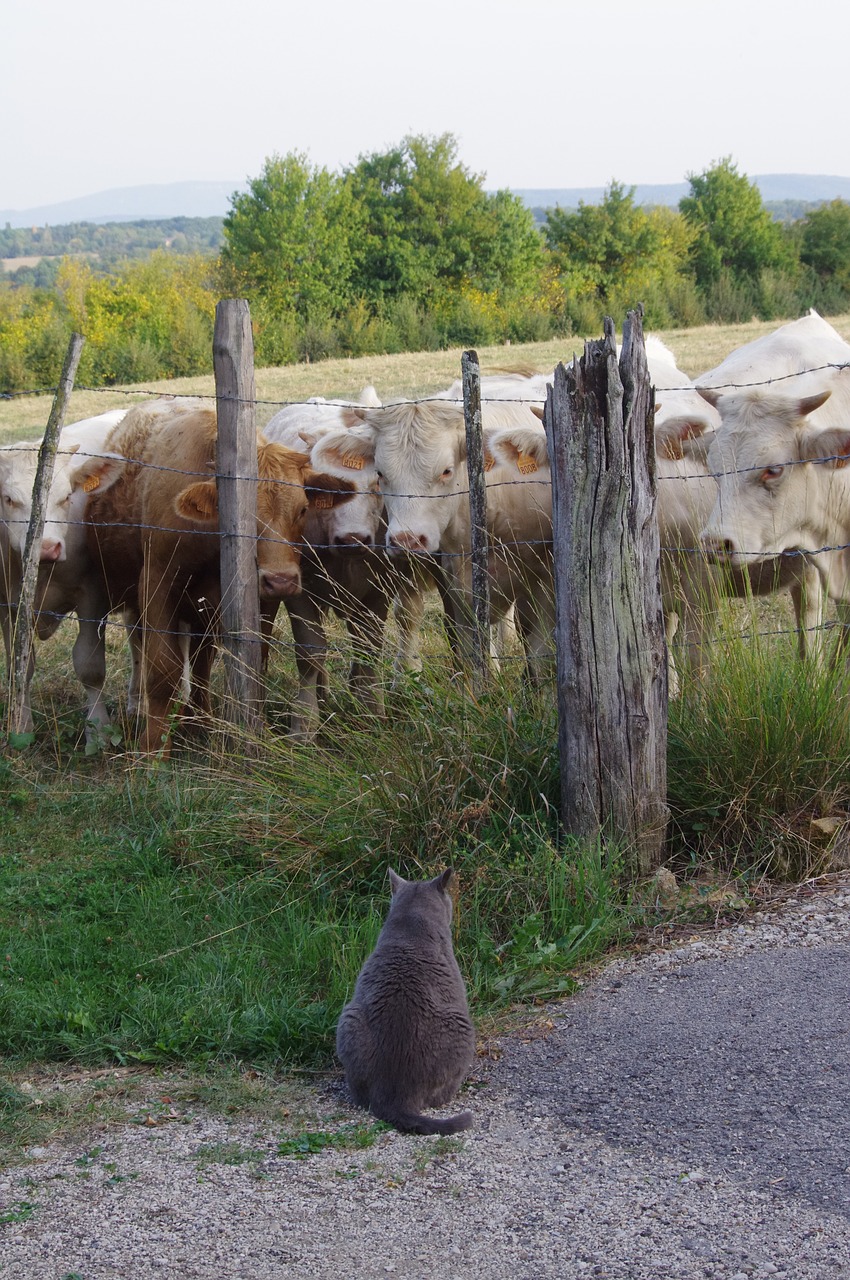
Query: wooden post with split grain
point(471, 379)
point(611, 664)
point(24, 619)
point(236, 467)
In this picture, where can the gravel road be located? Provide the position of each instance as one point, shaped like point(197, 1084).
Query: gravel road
point(686, 1115)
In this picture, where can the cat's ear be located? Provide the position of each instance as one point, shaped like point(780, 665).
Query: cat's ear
point(444, 881)
point(395, 881)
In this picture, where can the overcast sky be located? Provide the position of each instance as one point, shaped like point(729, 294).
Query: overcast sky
point(539, 93)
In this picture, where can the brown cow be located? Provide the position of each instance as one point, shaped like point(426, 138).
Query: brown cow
point(155, 535)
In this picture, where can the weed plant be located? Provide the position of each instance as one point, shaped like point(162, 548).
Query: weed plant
point(220, 906)
point(759, 753)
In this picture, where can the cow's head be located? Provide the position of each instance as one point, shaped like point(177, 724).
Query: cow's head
point(781, 478)
point(73, 477)
point(287, 486)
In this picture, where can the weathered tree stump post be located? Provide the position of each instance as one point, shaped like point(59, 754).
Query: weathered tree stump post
point(236, 466)
point(611, 663)
point(471, 375)
point(24, 624)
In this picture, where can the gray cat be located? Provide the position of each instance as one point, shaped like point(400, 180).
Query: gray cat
point(405, 1038)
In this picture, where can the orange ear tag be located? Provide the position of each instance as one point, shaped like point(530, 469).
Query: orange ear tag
point(91, 483)
point(525, 464)
point(352, 462)
point(489, 461)
point(323, 501)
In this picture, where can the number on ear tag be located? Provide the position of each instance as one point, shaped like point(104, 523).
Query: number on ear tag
point(525, 464)
point(352, 462)
point(91, 483)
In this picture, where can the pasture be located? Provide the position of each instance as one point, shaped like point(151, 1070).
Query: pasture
point(215, 908)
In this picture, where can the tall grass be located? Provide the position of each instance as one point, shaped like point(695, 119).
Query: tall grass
point(759, 751)
point(216, 908)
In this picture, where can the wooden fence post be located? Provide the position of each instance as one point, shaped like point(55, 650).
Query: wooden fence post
point(611, 663)
point(471, 374)
point(20, 666)
point(236, 465)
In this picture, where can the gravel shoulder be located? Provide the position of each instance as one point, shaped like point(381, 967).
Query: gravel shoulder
point(684, 1115)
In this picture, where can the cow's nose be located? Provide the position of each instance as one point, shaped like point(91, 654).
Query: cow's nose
point(276, 586)
point(718, 549)
point(352, 540)
point(51, 549)
point(407, 541)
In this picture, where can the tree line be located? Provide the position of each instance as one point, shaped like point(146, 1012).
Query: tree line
point(405, 250)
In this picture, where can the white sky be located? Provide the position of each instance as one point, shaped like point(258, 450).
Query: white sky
point(540, 93)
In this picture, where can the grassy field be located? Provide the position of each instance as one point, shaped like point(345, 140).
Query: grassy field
point(411, 375)
point(209, 915)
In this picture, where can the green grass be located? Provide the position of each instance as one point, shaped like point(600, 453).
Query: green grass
point(215, 910)
point(207, 910)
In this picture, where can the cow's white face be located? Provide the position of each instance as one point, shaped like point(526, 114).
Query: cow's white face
point(421, 490)
point(73, 478)
point(353, 525)
point(781, 481)
point(17, 475)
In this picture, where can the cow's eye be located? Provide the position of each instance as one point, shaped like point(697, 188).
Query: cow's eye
point(380, 475)
point(448, 473)
point(772, 473)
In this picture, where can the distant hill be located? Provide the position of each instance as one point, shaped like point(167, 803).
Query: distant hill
point(212, 199)
point(130, 204)
point(774, 188)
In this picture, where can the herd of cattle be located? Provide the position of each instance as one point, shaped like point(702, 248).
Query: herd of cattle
point(363, 506)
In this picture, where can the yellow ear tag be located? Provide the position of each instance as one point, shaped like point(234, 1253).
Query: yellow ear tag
point(525, 464)
point(323, 500)
point(91, 483)
point(489, 461)
point(352, 462)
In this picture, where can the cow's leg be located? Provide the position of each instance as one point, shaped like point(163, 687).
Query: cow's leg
point(311, 647)
point(809, 599)
point(163, 660)
point(89, 658)
point(132, 626)
point(408, 611)
point(365, 622)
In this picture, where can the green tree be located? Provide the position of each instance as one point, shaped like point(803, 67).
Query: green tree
point(612, 255)
point(291, 238)
point(825, 242)
point(733, 232)
point(429, 226)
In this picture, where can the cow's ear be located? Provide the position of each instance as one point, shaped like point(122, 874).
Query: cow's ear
point(326, 490)
point(521, 447)
point(670, 436)
point(537, 410)
point(830, 447)
point(711, 394)
point(356, 446)
point(352, 415)
point(198, 503)
point(97, 474)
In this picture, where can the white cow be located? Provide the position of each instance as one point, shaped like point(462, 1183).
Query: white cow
point(419, 452)
point(780, 454)
point(66, 581)
point(315, 413)
point(346, 568)
point(685, 423)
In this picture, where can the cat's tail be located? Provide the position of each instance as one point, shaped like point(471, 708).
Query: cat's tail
point(410, 1122)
